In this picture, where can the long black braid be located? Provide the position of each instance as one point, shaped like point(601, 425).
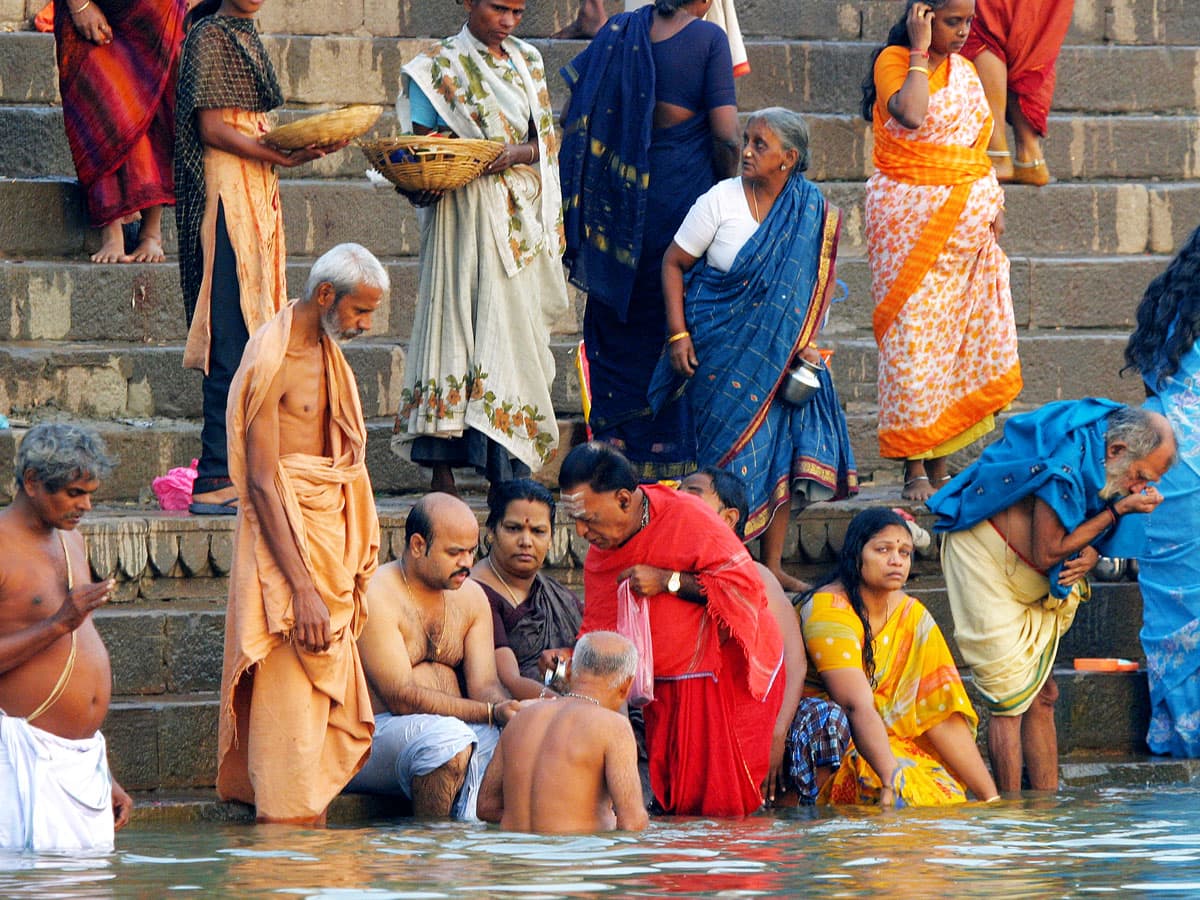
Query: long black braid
point(1173, 298)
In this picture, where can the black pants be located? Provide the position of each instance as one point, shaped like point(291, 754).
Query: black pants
point(229, 336)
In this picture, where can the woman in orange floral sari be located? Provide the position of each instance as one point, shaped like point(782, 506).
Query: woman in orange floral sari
point(943, 307)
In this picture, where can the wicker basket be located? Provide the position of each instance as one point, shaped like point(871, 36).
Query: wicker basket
point(325, 128)
point(425, 163)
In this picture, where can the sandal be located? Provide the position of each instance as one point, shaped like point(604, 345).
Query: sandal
point(1033, 173)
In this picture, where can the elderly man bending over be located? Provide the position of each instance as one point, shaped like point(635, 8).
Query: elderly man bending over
point(430, 631)
point(295, 720)
point(56, 792)
point(571, 766)
point(1026, 522)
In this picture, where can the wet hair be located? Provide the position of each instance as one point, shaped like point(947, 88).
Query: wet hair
point(848, 570)
point(418, 521)
point(201, 10)
point(1168, 317)
point(791, 129)
point(346, 267)
point(1133, 427)
point(602, 467)
point(614, 666)
point(731, 491)
point(504, 493)
point(56, 454)
point(897, 37)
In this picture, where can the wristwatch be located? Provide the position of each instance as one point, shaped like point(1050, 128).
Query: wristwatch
point(674, 582)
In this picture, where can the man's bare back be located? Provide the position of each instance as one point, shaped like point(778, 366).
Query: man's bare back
point(33, 589)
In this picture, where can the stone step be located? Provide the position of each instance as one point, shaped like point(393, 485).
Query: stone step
point(1080, 146)
point(1094, 21)
point(148, 448)
point(114, 381)
point(45, 218)
point(72, 300)
point(170, 742)
point(809, 75)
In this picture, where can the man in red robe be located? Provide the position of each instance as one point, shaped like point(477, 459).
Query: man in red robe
point(718, 654)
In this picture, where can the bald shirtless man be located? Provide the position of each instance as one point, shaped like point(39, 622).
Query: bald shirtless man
point(570, 766)
point(56, 792)
point(430, 631)
point(295, 720)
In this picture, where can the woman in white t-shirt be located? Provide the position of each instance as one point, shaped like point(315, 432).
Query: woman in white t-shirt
point(753, 308)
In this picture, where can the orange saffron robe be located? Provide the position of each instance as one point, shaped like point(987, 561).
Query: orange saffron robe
point(943, 305)
point(294, 725)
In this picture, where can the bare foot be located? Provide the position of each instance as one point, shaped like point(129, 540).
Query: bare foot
point(149, 249)
point(789, 583)
point(918, 488)
point(112, 244)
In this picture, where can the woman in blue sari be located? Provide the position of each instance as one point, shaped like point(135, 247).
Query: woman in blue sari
point(652, 124)
point(753, 309)
point(1163, 349)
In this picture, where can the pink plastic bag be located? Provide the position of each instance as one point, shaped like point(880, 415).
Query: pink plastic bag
point(633, 622)
point(174, 490)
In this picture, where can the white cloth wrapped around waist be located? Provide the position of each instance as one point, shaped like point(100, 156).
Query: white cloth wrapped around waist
point(56, 793)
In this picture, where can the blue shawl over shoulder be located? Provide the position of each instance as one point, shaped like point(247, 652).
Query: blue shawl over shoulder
point(1055, 453)
point(605, 157)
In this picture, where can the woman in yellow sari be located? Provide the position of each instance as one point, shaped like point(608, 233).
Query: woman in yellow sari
point(943, 307)
point(877, 652)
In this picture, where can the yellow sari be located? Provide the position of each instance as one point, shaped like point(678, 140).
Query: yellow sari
point(917, 686)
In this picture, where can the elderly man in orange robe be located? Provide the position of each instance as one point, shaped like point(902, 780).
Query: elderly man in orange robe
point(296, 718)
point(719, 672)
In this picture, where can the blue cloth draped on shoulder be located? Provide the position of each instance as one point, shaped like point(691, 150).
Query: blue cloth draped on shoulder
point(1056, 453)
point(1169, 570)
point(605, 157)
point(747, 325)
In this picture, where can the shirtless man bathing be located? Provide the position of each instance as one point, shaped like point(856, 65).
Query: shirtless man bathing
point(570, 766)
point(54, 668)
point(429, 632)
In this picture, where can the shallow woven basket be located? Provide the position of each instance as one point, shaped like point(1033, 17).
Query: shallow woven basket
point(325, 128)
point(429, 163)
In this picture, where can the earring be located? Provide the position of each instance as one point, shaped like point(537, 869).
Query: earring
point(782, 167)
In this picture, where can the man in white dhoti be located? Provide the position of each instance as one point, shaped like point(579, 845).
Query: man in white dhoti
point(479, 368)
point(56, 792)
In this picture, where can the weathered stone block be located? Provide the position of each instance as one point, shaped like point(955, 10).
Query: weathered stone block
point(136, 642)
point(194, 647)
point(131, 731)
point(187, 740)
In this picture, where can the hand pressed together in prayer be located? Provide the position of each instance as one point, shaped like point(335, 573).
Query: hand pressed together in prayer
point(513, 155)
point(1079, 565)
point(311, 629)
point(92, 24)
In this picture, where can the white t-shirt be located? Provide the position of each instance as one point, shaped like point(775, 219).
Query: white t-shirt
point(718, 224)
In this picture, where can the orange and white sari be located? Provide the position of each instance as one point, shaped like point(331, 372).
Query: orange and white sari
point(943, 307)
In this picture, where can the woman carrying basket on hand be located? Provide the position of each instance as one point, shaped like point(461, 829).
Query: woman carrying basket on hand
point(479, 368)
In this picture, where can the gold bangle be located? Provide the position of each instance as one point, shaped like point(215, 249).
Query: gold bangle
point(678, 336)
point(532, 154)
point(76, 12)
point(491, 713)
point(918, 69)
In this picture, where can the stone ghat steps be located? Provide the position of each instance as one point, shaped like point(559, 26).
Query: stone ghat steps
point(111, 380)
point(1075, 771)
point(809, 75)
point(1094, 21)
point(44, 218)
point(1081, 146)
point(170, 742)
point(70, 300)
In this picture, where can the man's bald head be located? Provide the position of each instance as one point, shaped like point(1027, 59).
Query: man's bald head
point(441, 536)
point(605, 655)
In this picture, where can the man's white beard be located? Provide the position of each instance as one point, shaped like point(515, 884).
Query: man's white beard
point(1115, 471)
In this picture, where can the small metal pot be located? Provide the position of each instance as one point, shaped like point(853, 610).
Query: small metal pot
point(801, 383)
point(1109, 568)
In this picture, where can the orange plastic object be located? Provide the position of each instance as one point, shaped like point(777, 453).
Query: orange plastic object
point(1109, 664)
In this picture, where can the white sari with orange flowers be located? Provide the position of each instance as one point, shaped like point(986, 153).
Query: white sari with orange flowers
point(943, 307)
point(491, 279)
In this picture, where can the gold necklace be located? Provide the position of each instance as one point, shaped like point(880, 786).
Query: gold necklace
point(437, 644)
point(496, 572)
point(582, 697)
point(754, 198)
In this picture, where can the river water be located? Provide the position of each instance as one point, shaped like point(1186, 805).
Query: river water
point(1118, 841)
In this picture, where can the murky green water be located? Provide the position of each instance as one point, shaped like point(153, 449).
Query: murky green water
point(1116, 841)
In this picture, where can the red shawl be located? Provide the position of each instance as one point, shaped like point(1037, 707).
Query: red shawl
point(1026, 36)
